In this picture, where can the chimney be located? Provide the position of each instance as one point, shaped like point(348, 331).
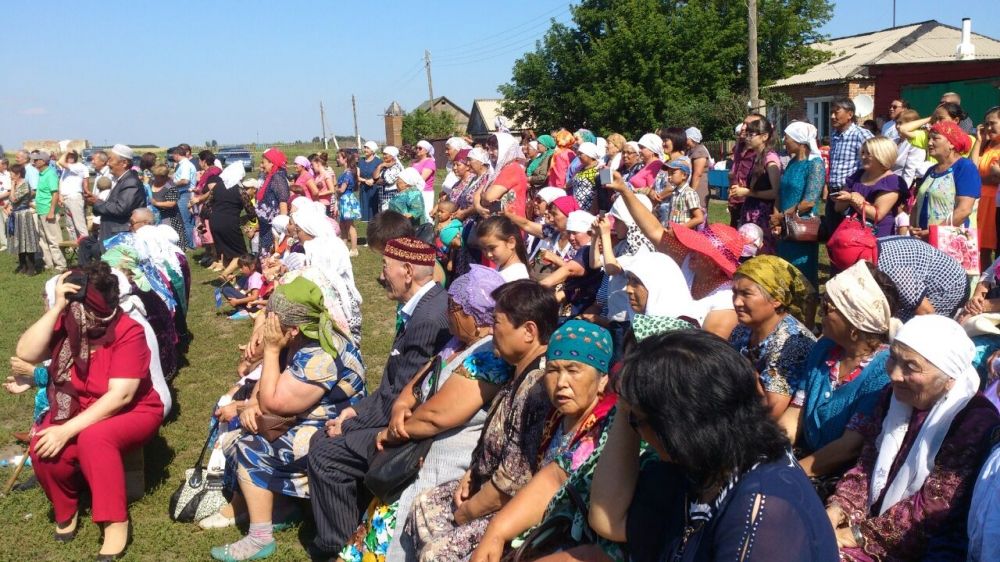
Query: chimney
point(966, 50)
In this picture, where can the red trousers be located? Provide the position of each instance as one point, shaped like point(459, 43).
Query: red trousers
point(94, 459)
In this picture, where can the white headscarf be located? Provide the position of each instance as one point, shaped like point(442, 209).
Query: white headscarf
point(580, 221)
point(411, 177)
point(391, 151)
point(804, 133)
point(427, 146)
point(310, 217)
point(668, 293)
point(693, 133)
point(233, 174)
point(326, 251)
point(602, 147)
point(458, 143)
point(372, 146)
point(943, 343)
point(479, 155)
point(279, 227)
point(154, 243)
point(652, 142)
point(508, 150)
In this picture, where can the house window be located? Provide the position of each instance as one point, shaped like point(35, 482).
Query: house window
point(818, 113)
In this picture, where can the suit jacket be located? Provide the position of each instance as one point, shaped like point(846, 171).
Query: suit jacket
point(424, 335)
point(126, 196)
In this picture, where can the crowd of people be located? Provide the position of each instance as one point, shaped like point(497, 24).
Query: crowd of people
point(584, 366)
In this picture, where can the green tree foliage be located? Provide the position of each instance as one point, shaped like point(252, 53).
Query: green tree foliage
point(420, 124)
point(633, 65)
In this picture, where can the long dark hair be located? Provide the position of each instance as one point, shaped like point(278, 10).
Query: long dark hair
point(351, 158)
point(700, 397)
point(760, 127)
point(504, 229)
point(954, 110)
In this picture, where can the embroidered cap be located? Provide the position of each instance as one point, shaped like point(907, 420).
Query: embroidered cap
point(409, 250)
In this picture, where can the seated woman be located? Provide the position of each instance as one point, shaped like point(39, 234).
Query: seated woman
point(453, 417)
point(844, 374)
point(732, 489)
point(773, 300)
point(656, 286)
point(907, 497)
point(100, 408)
point(577, 361)
point(323, 375)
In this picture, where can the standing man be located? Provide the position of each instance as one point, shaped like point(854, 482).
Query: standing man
point(101, 168)
point(339, 457)
point(5, 188)
point(30, 173)
point(896, 108)
point(845, 154)
point(966, 123)
point(74, 180)
point(47, 207)
point(127, 194)
point(185, 178)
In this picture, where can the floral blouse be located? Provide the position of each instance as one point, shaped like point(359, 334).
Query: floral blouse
point(780, 357)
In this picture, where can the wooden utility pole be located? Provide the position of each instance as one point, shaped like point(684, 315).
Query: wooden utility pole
point(430, 84)
point(322, 119)
point(354, 108)
point(752, 54)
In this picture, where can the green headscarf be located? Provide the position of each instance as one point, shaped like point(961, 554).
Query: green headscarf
point(550, 147)
point(785, 283)
point(644, 326)
point(300, 304)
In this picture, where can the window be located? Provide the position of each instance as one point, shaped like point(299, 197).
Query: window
point(818, 113)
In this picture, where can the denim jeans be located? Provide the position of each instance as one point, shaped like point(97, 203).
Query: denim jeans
point(187, 217)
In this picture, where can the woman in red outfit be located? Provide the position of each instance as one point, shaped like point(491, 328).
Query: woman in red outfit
point(102, 403)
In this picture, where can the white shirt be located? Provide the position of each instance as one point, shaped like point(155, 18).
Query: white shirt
point(908, 161)
point(71, 179)
point(411, 305)
point(889, 130)
point(4, 188)
point(514, 272)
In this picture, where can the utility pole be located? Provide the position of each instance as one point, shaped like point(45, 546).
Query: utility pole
point(322, 119)
point(752, 52)
point(430, 84)
point(354, 108)
point(894, 13)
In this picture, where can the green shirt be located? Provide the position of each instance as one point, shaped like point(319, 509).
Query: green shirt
point(48, 185)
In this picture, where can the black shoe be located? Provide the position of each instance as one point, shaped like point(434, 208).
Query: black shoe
point(67, 537)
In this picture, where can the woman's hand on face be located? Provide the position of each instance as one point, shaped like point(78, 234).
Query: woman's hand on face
point(62, 289)
point(275, 337)
point(248, 417)
point(490, 549)
point(52, 440)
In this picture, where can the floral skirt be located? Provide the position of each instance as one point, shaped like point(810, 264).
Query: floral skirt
point(432, 525)
point(371, 542)
point(350, 207)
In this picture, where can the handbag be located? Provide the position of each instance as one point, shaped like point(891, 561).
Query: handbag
point(393, 469)
point(10, 224)
point(959, 242)
point(802, 229)
point(854, 231)
point(200, 494)
point(553, 533)
point(271, 427)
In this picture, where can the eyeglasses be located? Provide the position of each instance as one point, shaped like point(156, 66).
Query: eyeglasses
point(895, 106)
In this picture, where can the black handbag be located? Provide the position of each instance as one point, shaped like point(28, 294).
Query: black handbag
point(393, 469)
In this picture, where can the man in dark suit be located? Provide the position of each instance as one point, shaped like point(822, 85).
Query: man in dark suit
point(127, 194)
point(339, 458)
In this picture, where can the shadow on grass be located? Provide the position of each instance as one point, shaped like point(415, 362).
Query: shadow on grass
point(158, 457)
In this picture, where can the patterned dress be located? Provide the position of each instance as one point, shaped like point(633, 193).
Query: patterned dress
point(280, 465)
point(801, 181)
point(350, 207)
point(447, 459)
point(410, 202)
point(583, 188)
point(24, 239)
point(780, 357)
point(387, 184)
point(170, 216)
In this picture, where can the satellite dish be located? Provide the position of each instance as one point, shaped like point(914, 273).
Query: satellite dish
point(863, 105)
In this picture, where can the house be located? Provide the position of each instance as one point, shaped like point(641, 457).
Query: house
point(916, 62)
point(444, 104)
point(483, 121)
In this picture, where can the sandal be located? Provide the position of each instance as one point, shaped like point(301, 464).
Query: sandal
point(221, 553)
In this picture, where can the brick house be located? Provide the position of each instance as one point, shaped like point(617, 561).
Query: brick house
point(917, 62)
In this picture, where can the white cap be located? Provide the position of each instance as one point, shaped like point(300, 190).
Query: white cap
point(589, 149)
point(122, 150)
point(479, 155)
point(580, 221)
point(550, 194)
point(693, 133)
point(391, 151)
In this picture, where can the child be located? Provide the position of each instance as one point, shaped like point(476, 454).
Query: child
point(685, 205)
point(500, 239)
point(247, 289)
point(753, 240)
point(902, 219)
point(448, 232)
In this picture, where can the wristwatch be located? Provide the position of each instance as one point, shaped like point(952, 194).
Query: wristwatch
point(858, 537)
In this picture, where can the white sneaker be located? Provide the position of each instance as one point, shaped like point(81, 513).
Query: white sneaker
point(217, 521)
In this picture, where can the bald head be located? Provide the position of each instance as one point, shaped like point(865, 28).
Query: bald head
point(141, 217)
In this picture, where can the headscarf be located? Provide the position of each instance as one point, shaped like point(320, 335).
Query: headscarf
point(550, 194)
point(280, 161)
point(694, 134)
point(233, 174)
point(804, 133)
point(859, 298)
point(579, 221)
point(922, 271)
point(300, 304)
point(81, 326)
point(479, 155)
point(426, 146)
point(550, 147)
point(303, 162)
point(508, 151)
point(279, 227)
point(566, 204)
point(589, 149)
point(667, 290)
point(391, 151)
point(644, 326)
point(653, 143)
point(411, 177)
point(327, 252)
point(457, 142)
point(635, 240)
point(586, 136)
point(583, 342)
point(602, 147)
point(950, 130)
point(473, 292)
point(310, 219)
point(753, 239)
point(372, 146)
point(294, 261)
point(784, 282)
point(564, 139)
point(943, 343)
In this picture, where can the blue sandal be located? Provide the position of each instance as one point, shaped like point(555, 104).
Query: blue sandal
point(221, 553)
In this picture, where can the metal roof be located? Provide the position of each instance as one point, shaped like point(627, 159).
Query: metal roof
point(923, 42)
point(490, 109)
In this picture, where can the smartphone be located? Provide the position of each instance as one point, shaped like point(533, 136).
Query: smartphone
point(604, 176)
point(80, 279)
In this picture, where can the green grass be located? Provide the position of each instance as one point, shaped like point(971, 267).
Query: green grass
point(25, 517)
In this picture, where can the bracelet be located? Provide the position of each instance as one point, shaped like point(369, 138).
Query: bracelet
point(858, 537)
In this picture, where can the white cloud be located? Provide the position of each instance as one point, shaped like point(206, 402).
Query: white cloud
point(32, 111)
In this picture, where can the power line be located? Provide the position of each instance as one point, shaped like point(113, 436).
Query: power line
point(488, 56)
point(533, 22)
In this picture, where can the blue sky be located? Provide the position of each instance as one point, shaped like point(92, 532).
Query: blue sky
point(165, 72)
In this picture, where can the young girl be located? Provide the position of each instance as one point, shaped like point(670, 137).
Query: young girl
point(500, 239)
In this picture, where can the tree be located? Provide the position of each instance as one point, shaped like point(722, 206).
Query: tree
point(634, 65)
point(317, 140)
point(420, 124)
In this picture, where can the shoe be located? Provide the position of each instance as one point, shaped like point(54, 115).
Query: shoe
point(353, 253)
point(121, 553)
point(222, 553)
point(217, 521)
point(22, 436)
point(68, 537)
point(240, 315)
